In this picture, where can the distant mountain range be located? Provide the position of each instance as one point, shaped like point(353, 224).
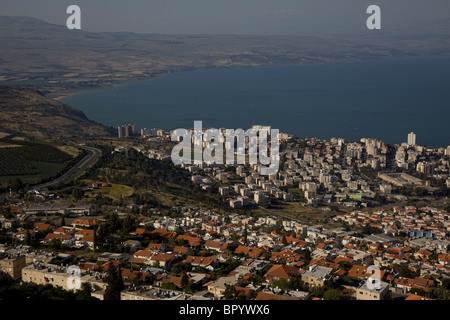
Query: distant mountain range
point(28, 114)
point(57, 61)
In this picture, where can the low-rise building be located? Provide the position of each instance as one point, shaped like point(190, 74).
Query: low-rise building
point(13, 265)
point(149, 293)
point(63, 277)
point(373, 290)
point(218, 287)
point(317, 276)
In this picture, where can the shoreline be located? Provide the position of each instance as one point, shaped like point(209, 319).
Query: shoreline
point(60, 95)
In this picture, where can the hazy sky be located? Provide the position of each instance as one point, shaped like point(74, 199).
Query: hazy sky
point(228, 16)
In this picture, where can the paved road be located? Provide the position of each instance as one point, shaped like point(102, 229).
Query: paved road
point(91, 157)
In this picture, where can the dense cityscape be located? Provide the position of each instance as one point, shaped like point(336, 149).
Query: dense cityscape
point(338, 217)
point(335, 188)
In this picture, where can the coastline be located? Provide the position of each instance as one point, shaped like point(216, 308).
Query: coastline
point(110, 111)
point(61, 95)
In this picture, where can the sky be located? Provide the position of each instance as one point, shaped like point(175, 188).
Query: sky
point(229, 16)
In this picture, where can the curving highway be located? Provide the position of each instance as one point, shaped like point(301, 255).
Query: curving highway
point(91, 157)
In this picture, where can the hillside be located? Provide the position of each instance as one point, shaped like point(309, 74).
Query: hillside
point(29, 114)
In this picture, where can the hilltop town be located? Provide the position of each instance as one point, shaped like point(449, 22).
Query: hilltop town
point(339, 221)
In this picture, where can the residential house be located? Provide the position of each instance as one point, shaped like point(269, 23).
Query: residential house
point(280, 271)
point(218, 287)
point(80, 223)
point(250, 251)
point(163, 260)
point(66, 239)
point(373, 290)
point(216, 245)
point(133, 245)
point(84, 238)
point(193, 241)
point(208, 263)
point(317, 276)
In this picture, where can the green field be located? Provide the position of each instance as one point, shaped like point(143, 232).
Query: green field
point(116, 191)
point(40, 171)
point(11, 165)
point(32, 162)
point(72, 151)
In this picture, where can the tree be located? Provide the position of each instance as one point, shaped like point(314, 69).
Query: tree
point(184, 281)
point(307, 255)
point(137, 278)
point(232, 246)
point(419, 292)
point(95, 238)
point(55, 244)
point(370, 230)
point(114, 283)
point(229, 292)
point(245, 234)
point(127, 224)
point(78, 193)
point(331, 294)
point(85, 291)
point(63, 220)
point(443, 292)
point(241, 296)
point(403, 270)
point(15, 184)
point(27, 237)
point(28, 226)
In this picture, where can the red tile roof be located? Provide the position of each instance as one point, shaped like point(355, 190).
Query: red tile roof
point(279, 271)
point(193, 241)
point(201, 261)
point(51, 236)
point(162, 233)
point(252, 252)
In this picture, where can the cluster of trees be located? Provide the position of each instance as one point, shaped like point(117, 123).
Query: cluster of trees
point(404, 271)
point(441, 185)
point(78, 193)
point(231, 293)
point(293, 283)
point(188, 286)
point(14, 184)
point(324, 292)
point(370, 230)
point(114, 282)
point(412, 191)
point(113, 230)
point(138, 171)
